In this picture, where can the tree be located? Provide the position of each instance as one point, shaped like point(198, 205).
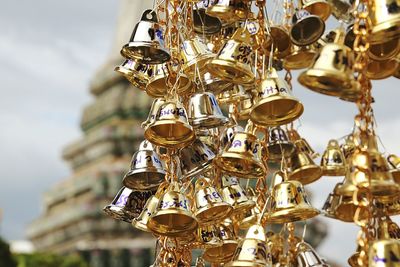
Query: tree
point(6, 259)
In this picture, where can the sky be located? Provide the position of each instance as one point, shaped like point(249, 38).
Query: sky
point(49, 51)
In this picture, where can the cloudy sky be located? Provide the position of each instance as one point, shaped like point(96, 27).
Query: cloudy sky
point(49, 51)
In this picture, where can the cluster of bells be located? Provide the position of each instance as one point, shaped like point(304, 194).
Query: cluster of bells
point(184, 184)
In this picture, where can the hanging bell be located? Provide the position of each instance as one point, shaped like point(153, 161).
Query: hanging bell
point(303, 168)
point(195, 159)
point(385, 20)
point(307, 257)
point(207, 237)
point(378, 70)
point(331, 73)
point(223, 253)
point(127, 204)
point(242, 157)
point(157, 85)
point(306, 28)
point(171, 127)
point(244, 107)
point(157, 103)
point(333, 162)
point(214, 84)
point(341, 10)
point(204, 111)
point(330, 204)
point(275, 104)
point(204, 23)
point(236, 196)
point(233, 62)
point(228, 11)
point(194, 56)
point(228, 134)
point(233, 96)
point(252, 250)
point(301, 143)
point(384, 253)
point(147, 44)
point(387, 229)
point(147, 170)
point(300, 57)
point(320, 8)
point(394, 162)
point(281, 42)
point(209, 205)
point(173, 216)
point(290, 203)
point(136, 73)
point(252, 216)
point(279, 145)
point(349, 146)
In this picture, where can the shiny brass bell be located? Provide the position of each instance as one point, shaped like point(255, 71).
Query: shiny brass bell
point(195, 159)
point(214, 84)
point(279, 145)
point(349, 146)
point(233, 62)
point(252, 250)
point(306, 29)
point(331, 73)
point(320, 8)
point(275, 104)
point(207, 236)
point(209, 205)
point(394, 162)
point(301, 143)
point(307, 257)
point(242, 156)
point(147, 43)
point(157, 85)
point(228, 134)
point(333, 162)
point(204, 111)
point(223, 253)
point(341, 10)
point(384, 51)
point(384, 253)
point(300, 57)
point(303, 168)
point(136, 73)
point(228, 11)
point(147, 170)
point(378, 70)
point(290, 203)
point(155, 106)
point(236, 196)
point(385, 20)
point(244, 107)
point(170, 127)
point(194, 56)
point(330, 204)
point(387, 229)
point(204, 23)
point(252, 216)
point(127, 204)
point(173, 216)
point(281, 42)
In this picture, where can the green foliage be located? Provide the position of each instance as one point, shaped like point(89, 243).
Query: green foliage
point(49, 260)
point(6, 259)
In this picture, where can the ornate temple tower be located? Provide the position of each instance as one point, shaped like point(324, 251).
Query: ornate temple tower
point(72, 219)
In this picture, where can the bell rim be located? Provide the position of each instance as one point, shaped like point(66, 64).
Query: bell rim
point(221, 161)
point(150, 135)
point(294, 114)
point(206, 245)
point(120, 214)
point(298, 176)
point(334, 170)
point(216, 206)
point(200, 62)
point(207, 122)
point(231, 244)
point(379, 31)
point(156, 228)
point(127, 52)
point(130, 177)
point(389, 71)
point(312, 40)
point(325, 6)
point(157, 91)
point(140, 225)
point(132, 76)
point(396, 175)
point(243, 207)
point(225, 14)
point(281, 216)
point(379, 190)
point(214, 67)
point(293, 62)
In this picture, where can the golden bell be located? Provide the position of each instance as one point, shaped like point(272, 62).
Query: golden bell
point(303, 168)
point(209, 205)
point(150, 207)
point(233, 62)
point(252, 216)
point(331, 73)
point(242, 156)
point(214, 84)
point(349, 146)
point(275, 104)
point(369, 160)
point(387, 229)
point(252, 250)
point(341, 10)
point(195, 159)
point(136, 73)
point(244, 107)
point(353, 259)
point(290, 203)
point(204, 111)
point(384, 253)
point(127, 204)
point(155, 106)
point(306, 28)
point(157, 85)
point(301, 143)
point(333, 162)
point(147, 44)
point(204, 23)
point(228, 134)
point(194, 54)
point(394, 162)
point(236, 196)
point(319, 8)
point(330, 204)
point(170, 127)
point(173, 216)
point(385, 20)
point(224, 252)
point(307, 257)
point(207, 236)
point(378, 70)
point(300, 57)
point(280, 41)
point(147, 170)
point(384, 51)
point(228, 11)
point(279, 145)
